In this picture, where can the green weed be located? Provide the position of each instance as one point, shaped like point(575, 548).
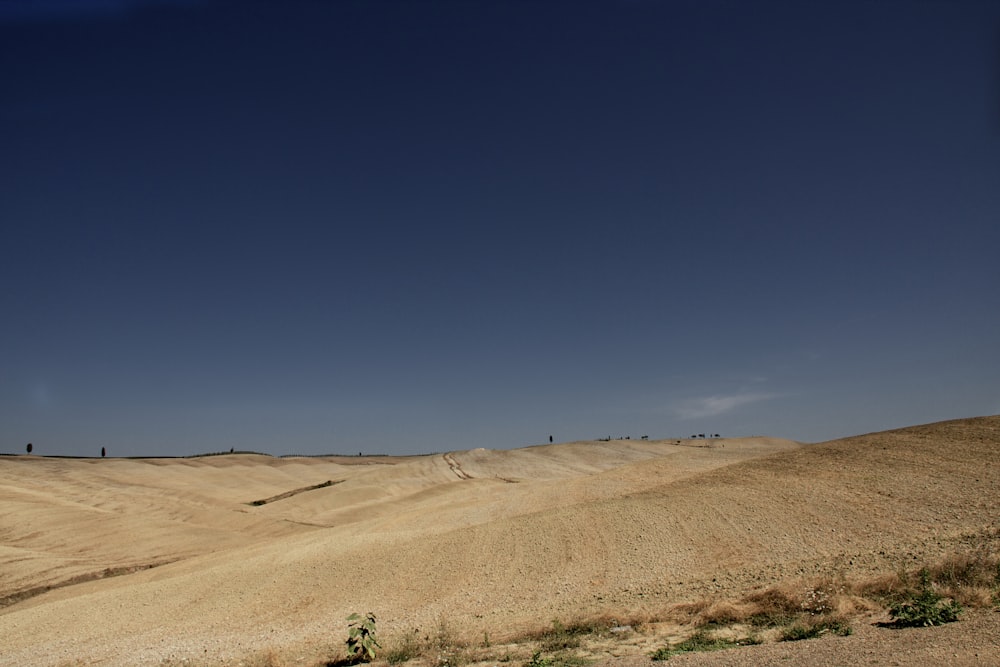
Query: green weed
point(702, 640)
point(924, 608)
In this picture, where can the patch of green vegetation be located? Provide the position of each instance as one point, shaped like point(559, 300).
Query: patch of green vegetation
point(924, 608)
point(770, 620)
point(361, 640)
point(562, 637)
point(538, 660)
point(702, 640)
point(799, 631)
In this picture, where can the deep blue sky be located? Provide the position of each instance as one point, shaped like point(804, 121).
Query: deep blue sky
point(403, 227)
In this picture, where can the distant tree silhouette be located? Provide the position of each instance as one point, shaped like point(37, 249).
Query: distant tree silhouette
point(29, 447)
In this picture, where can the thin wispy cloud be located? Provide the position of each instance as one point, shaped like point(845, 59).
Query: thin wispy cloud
point(712, 406)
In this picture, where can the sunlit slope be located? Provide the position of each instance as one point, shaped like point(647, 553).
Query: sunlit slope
point(66, 519)
point(492, 541)
point(444, 492)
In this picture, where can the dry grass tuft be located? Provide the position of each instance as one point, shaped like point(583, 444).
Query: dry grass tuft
point(883, 587)
point(446, 648)
point(980, 568)
point(970, 579)
point(686, 612)
point(773, 606)
point(723, 612)
point(404, 649)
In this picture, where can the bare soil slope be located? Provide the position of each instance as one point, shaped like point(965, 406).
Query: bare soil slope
point(485, 541)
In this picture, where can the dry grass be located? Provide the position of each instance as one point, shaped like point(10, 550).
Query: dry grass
point(723, 612)
point(882, 587)
point(405, 649)
point(446, 649)
point(774, 606)
point(686, 612)
point(971, 579)
point(809, 608)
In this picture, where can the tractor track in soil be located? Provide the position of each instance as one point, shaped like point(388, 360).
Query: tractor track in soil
point(455, 467)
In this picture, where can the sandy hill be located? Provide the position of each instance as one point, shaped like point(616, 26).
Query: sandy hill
point(115, 561)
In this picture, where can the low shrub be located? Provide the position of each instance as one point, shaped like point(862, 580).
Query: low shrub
point(925, 607)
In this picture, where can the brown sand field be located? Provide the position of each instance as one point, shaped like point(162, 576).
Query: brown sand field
point(169, 562)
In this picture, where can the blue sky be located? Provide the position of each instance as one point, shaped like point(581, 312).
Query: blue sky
point(404, 227)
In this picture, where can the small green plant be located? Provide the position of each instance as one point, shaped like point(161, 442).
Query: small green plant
point(361, 639)
point(925, 608)
point(794, 633)
point(662, 653)
point(800, 631)
point(701, 640)
point(561, 660)
point(538, 661)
